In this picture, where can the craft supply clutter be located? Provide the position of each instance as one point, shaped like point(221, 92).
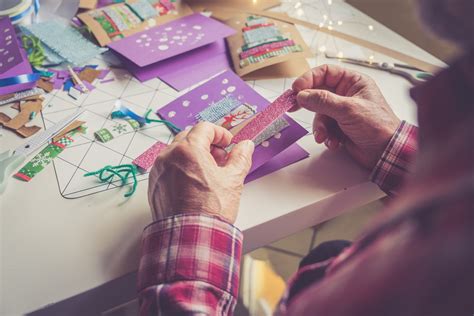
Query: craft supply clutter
point(100, 95)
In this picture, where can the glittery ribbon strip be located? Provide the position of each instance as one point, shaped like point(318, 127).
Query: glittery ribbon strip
point(22, 95)
point(261, 34)
point(218, 109)
point(42, 159)
point(266, 48)
point(145, 161)
point(265, 118)
point(278, 52)
point(19, 80)
point(254, 20)
point(256, 26)
point(267, 41)
point(107, 134)
point(274, 128)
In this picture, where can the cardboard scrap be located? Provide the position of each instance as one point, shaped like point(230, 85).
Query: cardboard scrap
point(74, 125)
point(89, 74)
point(18, 123)
point(45, 84)
point(88, 4)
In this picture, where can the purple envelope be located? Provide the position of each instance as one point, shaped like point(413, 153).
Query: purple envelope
point(171, 39)
point(183, 110)
point(13, 59)
point(187, 69)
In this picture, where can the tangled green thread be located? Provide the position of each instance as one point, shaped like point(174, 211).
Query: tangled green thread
point(35, 50)
point(123, 172)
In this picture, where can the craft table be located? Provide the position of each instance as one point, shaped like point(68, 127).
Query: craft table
point(81, 255)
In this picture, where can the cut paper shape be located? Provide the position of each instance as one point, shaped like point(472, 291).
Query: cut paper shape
point(10, 54)
point(19, 96)
point(171, 39)
point(117, 21)
point(123, 127)
point(187, 69)
point(65, 41)
point(219, 109)
point(186, 115)
point(18, 124)
point(145, 161)
point(265, 118)
point(237, 116)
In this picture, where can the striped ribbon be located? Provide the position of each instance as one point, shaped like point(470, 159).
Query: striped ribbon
point(19, 80)
point(285, 50)
point(265, 48)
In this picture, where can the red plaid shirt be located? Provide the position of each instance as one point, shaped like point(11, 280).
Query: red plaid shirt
point(190, 263)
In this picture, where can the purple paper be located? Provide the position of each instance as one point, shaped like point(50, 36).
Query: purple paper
point(289, 156)
point(171, 39)
point(10, 54)
point(182, 112)
point(187, 69)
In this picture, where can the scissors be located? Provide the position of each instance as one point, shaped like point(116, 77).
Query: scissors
point(394, 68)
point(9, 161)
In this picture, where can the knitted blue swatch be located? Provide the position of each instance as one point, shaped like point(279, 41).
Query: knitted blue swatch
point(65, 41)
point(219, 109)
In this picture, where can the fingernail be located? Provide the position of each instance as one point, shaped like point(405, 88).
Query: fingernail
point(249, 145)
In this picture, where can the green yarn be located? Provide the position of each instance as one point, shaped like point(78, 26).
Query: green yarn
point(107, 173)
point(34, 49)
point(170, 125)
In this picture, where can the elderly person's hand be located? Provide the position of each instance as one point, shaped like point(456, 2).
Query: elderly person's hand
point(195, 175)
point(350, 109)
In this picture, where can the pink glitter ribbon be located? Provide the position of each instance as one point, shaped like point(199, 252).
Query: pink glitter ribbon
point(266, 47)
point(146, 159)
point(263, 119)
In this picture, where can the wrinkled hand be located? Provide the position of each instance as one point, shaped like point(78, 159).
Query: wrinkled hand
point(350, 109)
point(195, 175)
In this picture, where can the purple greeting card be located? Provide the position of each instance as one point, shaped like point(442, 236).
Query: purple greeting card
point(10, 54)
point(184, 111)
point(13, 59)
point(171, 39)
point(187, 69)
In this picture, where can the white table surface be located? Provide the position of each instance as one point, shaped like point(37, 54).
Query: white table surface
point(53, 248)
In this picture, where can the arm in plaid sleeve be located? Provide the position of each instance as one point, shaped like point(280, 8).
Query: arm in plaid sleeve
point(189, 265)
point(397, 159)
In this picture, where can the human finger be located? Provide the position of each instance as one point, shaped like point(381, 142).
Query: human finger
point(324, 102)
point(240, 157)
point(219, 154)
point(180, 136)
point(206, 134)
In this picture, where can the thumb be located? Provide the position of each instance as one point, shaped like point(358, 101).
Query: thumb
point(324, 102)
point(240, 157)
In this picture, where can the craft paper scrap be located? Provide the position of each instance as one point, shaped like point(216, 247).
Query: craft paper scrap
point(123, 127)
point(65, 41)
point(187, 69)
point(145, 160)
point(44, 157)
point(265, 118)
point(22, 95)
point(10, 54)
point(184, 112)
point(28, 110)
point(171, 39)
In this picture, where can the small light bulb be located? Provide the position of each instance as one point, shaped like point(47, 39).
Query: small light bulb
point(340, 55)
point(330, 22)
point(297, 5)
point(321, 24)
point(325, 17)
point(330, 27)
point(339, 22)
point(371, 58)
point(329, 2)
point(371, 27)
point(322, 49)
point(300, 12)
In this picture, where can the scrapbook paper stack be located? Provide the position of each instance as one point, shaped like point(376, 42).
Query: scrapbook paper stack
point(265, 48)
point(227, 101)
point(182, 52)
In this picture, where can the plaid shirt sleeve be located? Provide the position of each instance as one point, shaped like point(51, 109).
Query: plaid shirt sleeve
point(397, 160)
point(189, 266)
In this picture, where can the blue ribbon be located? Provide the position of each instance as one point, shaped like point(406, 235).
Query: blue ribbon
point(19, 80)
point(21, 15)
point(36, 5)
point(123, 111)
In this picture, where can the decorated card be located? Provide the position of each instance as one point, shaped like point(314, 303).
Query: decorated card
point(266, 48)
point(171, 39)
point(118, 21)
point(228, 101)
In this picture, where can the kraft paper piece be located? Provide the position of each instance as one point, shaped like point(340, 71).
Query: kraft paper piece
point(103, 38)
point(88, 4)
point(74, 125)
point(223, 15)
point(18, 123)
point(410, 60)
point(264, 69)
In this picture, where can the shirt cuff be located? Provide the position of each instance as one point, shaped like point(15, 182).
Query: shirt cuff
point(397, 160)
point(191, 247)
